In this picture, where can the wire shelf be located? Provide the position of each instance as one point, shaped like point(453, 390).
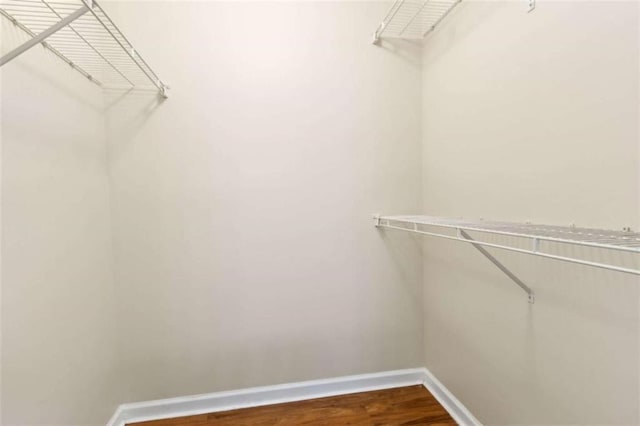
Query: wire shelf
point(90, 42)
point(625, 241)
point(413, 19)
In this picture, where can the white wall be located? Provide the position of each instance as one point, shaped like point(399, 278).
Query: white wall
point(245, 249)
point(58, 334)
point(533, 117)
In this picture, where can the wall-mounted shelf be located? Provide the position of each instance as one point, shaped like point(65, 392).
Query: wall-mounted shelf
point(413, 19)
point(458, 230)
point(81, 34)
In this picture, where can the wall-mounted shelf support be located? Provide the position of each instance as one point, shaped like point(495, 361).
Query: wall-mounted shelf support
point(412, 19)
point(89, 42)
point(623, 241)
point(43, 35)
point(499, 265)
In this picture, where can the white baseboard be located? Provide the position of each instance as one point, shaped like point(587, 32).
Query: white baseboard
point(266, 395)
point(456, 409)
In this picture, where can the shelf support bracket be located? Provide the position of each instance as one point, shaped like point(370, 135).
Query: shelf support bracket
point(464, 235)
point(43, 35)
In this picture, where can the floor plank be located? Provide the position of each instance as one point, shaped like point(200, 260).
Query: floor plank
point(411, 405)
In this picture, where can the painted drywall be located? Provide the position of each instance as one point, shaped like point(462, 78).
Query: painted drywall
point(242, 205)
point(533, 117)
point(244, 253)
point(58, 329)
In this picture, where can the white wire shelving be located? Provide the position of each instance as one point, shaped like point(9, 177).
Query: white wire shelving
point(80, 33)
point(413, 19)
point(458, 230)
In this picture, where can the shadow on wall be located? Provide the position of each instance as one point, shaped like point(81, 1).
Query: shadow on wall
point(47, 68)
point(398, 245)
point(407, 50)
point(583, 290)
point(453, 29)
point(580, 289)
point(128, 111)
point(522, 346)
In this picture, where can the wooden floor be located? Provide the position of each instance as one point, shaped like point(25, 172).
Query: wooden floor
point(412, 405)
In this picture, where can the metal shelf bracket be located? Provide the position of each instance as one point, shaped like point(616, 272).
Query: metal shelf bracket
point(499, 265)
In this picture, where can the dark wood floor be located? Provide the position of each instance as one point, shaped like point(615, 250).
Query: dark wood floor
point(412, 405)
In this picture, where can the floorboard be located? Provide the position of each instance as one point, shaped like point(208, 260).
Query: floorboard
point(411, 405)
